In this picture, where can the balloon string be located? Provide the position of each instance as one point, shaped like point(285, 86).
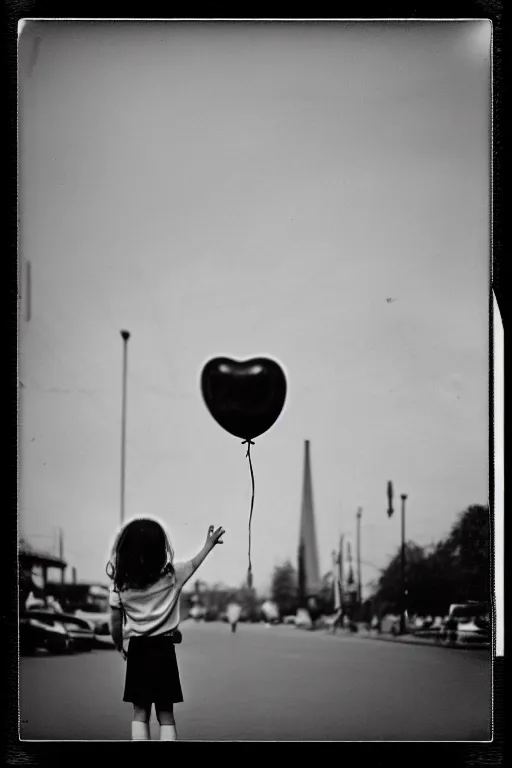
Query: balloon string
point(248, 455)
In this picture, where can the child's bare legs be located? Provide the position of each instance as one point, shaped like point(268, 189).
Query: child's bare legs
point(165, 717)
point(140, 722)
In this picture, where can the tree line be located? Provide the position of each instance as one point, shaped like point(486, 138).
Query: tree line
point(455, 570)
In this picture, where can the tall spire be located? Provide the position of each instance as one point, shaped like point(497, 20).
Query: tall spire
point(309, 572)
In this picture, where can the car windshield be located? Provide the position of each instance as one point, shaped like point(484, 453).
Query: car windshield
point(99, 606)
point(468, 611)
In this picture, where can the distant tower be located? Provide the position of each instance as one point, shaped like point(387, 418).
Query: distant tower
point(309, 572)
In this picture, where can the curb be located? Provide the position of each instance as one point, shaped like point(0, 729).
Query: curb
point(408, 640)
point(424, 642)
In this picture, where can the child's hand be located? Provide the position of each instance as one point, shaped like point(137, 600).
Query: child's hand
point(214, 537)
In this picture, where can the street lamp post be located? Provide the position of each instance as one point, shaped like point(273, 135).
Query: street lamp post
point(402, 569)
point(125, 336)
point(340, 572)
point(359, 592)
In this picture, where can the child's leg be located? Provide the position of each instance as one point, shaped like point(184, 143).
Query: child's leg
point(165, 717)
point(140, 722)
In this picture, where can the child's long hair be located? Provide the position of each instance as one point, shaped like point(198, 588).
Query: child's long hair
point(142, 553)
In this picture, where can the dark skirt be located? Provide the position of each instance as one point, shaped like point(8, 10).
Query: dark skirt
point(152, 674)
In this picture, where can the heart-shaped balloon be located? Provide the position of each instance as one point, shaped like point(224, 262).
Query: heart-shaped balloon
point(246, 397)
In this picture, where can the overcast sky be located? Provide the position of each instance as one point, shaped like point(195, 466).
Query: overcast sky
point(315, 193)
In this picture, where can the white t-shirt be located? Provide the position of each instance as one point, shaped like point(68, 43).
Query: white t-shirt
point(155, 609)
point(234, 612)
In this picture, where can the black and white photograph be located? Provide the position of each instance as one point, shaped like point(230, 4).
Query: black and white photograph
point(254, 266)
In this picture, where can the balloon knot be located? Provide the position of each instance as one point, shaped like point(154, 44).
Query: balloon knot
point(249, 443)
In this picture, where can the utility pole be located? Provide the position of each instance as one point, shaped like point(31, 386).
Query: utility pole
point(402, 570)
point(125, 336)
point(340, 570)
point(335, 580)
point(359, 588)
point(351, 586)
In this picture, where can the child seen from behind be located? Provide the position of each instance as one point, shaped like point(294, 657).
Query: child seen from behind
point(144, 604)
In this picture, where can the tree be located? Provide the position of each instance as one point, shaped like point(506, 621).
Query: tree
point(469, 546)
point(455, 571)
point(284, 588)
point(390, 582)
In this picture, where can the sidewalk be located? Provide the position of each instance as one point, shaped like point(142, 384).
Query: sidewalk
point(418, 639)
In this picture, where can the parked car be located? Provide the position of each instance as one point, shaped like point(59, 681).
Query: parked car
point(55, 632)
point(80, 631)
point(89, 602)
point(425, 626)
point(35, 634)
point(100, 621)
point(466, 623)
point(82, 596)
point(477, 630)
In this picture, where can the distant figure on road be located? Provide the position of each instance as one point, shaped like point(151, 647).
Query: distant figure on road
point(144, 602)
point(233, 612)
point(270, 612)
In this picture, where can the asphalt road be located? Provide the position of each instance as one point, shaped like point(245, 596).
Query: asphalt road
point(272, 684)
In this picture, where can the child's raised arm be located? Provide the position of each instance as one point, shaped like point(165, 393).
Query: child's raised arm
point(213, 537)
